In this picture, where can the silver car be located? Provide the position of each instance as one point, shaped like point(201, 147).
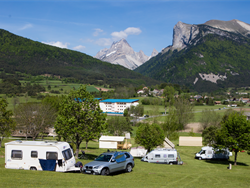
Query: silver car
point(110, 162)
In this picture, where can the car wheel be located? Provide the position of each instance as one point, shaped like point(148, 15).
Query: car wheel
point(33, 168)
point(170, 163)
point(199, 158)
point(105, 172)
point(129, 168)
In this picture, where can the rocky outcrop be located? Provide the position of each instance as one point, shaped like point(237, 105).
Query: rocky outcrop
point(123, 54)
point(184, 34)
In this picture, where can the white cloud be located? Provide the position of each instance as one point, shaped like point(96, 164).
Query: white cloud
point(117, 35)
point(132, 31)
point(97, 32)
point(26, 26)
point(57, 44)
point(79, 47)
point(104, 42)
point(124, 34)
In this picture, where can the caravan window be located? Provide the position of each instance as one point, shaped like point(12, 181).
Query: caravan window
point(170, 155)
point(17, 154)
point(34, 154)
point(67, 154)
point(157, 156)
point(51, 155)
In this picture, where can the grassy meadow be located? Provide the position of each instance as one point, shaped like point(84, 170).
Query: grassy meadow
point(193, 173)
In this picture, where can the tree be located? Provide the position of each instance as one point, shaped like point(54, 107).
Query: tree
point(7, 124)
point(15, 101)
point(184, 111)
point(149, 136)
point(234, 133)
point(168, 94)
point(34, 118)
point(171, 125)
point(209, 135)
point(118, 125)
point(209, 118)
point(80, 117)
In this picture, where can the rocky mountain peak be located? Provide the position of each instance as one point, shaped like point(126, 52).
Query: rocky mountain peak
point(123, 54)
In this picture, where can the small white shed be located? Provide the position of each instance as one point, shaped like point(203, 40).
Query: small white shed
point(110, 142)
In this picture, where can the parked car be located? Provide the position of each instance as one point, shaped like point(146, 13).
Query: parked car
point(110, 162)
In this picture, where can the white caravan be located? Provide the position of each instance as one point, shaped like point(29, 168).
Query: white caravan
point(208, 152)
point(138, 151)
point(163, 156)
point(40, 155)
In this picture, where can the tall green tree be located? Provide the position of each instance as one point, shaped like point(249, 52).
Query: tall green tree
point(80, 118)
point(171, 125)
point(209, 118)
point(184, 111)
point(149, 136)
point(234, 133)
point(7, 124)
point(168, 95)
point(118, 125)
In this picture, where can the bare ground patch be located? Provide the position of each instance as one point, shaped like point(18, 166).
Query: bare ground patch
point(195, 127)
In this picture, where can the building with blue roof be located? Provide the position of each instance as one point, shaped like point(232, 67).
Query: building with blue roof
point(117, 106)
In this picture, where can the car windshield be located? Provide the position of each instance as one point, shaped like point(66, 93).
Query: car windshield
point(103, 157)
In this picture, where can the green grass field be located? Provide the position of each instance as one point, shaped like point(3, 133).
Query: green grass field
point(193, 173)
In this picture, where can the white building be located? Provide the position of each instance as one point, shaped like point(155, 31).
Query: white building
point(117, 106)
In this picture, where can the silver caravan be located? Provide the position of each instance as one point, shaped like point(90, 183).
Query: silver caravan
point(208, 152)
point(163, 156)
point(40, 155)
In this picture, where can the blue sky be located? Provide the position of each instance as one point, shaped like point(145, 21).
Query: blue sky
point(91, 25)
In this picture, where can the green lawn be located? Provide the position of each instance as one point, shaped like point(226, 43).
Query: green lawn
point(193, 173)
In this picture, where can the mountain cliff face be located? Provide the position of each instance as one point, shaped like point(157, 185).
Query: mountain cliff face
point(204, 57)
point(122, 53)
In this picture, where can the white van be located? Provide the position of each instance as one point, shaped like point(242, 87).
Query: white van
point(208, 152)
point(163, 156)
point(40, 155)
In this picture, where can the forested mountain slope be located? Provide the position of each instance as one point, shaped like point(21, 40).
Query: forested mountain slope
point(209, 59)
point(27, 56)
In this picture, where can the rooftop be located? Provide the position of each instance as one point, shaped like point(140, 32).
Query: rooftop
point(120, 100)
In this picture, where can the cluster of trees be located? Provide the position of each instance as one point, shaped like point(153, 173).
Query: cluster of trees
point(12, 86)
point(179, 115)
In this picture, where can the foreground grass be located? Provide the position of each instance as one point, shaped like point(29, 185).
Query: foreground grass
point(193, 173)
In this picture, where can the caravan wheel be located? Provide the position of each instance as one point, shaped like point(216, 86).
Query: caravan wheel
point(33, 168)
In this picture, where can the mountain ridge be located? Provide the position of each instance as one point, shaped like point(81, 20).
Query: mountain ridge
point(122, 53)
point(202, 51)
point(24, 55)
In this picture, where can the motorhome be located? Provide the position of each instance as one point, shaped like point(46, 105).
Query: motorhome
point(208, 152)
point(40, 155)
point(163, 156)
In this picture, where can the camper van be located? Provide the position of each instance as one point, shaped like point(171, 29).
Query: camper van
point(208, 152)
point(40, 155)
point(163, 156)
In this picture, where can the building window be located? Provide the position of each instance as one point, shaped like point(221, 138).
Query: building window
point(34, 154)
point(17, 154)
